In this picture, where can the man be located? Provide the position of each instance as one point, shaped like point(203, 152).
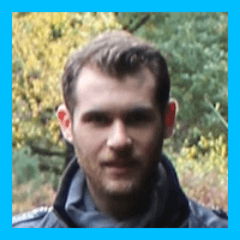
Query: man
point(116, 114)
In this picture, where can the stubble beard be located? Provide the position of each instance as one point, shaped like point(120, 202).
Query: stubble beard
point(143, 183)
point(137, 185)
point(127, 188)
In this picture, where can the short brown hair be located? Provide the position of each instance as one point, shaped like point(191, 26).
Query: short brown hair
point(117, 53)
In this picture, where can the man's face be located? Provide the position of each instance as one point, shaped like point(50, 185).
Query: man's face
point(117, 130)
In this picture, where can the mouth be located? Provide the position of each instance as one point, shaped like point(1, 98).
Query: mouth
point(120, 168)
point(120, 163)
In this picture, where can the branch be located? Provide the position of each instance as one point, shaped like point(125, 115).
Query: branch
point(223, 121)
point(43, 151)
point(43, 167)
point(142, 21)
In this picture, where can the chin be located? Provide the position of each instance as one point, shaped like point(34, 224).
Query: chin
point(121, 188)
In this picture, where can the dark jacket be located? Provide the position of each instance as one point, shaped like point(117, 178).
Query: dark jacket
point(179, 211)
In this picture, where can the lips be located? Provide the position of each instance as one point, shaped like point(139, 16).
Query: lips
point(119, 171)
point(120, 163)
point(120, 168)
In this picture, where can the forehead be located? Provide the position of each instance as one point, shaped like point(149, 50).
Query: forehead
point(95, 89)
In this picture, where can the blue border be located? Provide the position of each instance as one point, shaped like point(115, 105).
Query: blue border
point(126, 6)
point(6, 120)
point(233, 133)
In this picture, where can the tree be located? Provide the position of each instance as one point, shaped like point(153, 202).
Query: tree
point(41, 43)
point(195, 46)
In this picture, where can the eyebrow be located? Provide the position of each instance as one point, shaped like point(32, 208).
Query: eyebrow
point(139, 109)
point(148, 110)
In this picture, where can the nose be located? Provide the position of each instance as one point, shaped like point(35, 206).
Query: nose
point(118, 138)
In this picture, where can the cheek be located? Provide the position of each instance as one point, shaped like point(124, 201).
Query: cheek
point(151, 149)
point(147, 140)
point(87, 143)
point(86, 155)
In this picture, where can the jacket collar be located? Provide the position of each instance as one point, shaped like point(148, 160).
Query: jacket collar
point(173, 212)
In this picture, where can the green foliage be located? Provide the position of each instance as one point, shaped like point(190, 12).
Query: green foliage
point(25, 166)
point(208, 154)
point(195, 46)
point(40, 169)
point(203, 169)
point(41, 43)
point(133, 21)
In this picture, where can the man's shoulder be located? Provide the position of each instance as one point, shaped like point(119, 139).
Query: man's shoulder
point(42, 217)
point(29, 219)
point(201, 217)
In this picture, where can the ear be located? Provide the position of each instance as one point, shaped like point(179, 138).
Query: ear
point(170, 118)
point(65, 122)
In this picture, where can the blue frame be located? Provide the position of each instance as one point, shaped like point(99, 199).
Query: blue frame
point(179, 6)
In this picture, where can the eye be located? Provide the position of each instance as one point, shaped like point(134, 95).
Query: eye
point(100, 119)
point(138, 119)
point(97, 119)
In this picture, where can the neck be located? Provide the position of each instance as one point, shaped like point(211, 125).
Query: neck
point(124, 206)
point(121, 207)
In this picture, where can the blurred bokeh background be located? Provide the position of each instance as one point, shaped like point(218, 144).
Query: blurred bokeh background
point(195, 46)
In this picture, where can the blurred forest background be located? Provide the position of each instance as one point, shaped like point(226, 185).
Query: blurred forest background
point(195, 46)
